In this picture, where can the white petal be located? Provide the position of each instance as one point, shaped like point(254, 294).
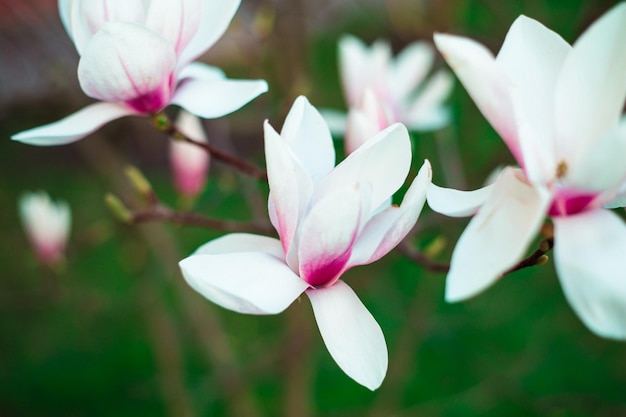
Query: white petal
point(486, 83)
point(308, 135)
point(410, 68)
point(497, 237)
point(175, 20)
point(210, 99)
point(457, 203)
point(591, 90)
point(215, 17)
point(201, 71)
point(385, 230)
point(242, 242)
point(589, 251)
point(75, 126)
point(352, 64)
point(352, 336)
point(290, 186)
point(125, 62)
point(246, 282)
point(336, 121)
point(383, 161)
point(532, 56)
point(427, 111)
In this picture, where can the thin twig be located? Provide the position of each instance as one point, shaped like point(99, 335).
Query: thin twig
point(538, 257)
point(159, 212)
point(163, 123)
point(420, 258)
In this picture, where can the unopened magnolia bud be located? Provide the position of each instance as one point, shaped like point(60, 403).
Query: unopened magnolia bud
point(542, 260)
point(139, 182)
point(118, 208)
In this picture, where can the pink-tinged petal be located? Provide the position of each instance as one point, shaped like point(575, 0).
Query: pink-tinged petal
point(75, 126)
point(328, 233)
point(350, 333)
point(383, 161)
point(385, 230)
point(190, 163)
point(125, 62)
point(246, 282)
point(591, 89)
point(457, 203)
point(409, 69)
point(175, 20)
point(306, 132)
point(290, 186)
point(603, 167)
point(589, 253)
point(486, 83)
point(532, 56)
point(210, 99)
point(83, 19)
point(497, 237)
point(242, 242)
point(215, 17)
point(427, 111)
point(365, 121)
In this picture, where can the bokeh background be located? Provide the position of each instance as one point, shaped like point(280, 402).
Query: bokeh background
point(118, 332)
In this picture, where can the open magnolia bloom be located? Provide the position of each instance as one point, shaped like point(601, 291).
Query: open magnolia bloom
point(329, 220)
point(136, 58)
point(47, 225)
point(558, 109)
point(380, 90)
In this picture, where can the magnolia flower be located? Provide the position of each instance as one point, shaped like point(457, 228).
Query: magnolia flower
point(189, 162)
point(384, 90)
point(329, 219)
point(47, 225)
point(558, 108)
point(136, 58)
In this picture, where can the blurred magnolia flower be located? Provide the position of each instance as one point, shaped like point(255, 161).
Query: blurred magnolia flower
point(190, 163)
point(558, 109)
point(47, 225)
point(329, 220)
point(136, 58)
point(380, 90)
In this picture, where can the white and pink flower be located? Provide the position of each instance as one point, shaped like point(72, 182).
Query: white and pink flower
point(558, 109)
point(136, 59)
point(47, 226)
point(329, 219)
point(381, 90)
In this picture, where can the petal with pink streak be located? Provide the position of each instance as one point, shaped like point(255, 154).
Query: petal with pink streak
point(589, 253)
point(532, 56)
point(290, 186)
point(215, 16)
point(210, 99)
point(307, 133)
point(587, 111)
point(75, 126)
point(246, 282)
point(383, 162)
point(175, 20)
point(350, 333)
point(387, 229)
point(83, 19)
point(457, 203)
point(328, 233)
point(497, 237)
point(128, 63)
point(486, 83)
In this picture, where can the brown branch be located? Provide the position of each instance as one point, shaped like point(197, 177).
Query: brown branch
point(163, 123)
point(537, 258)
point(159, 212)
point(420, 258)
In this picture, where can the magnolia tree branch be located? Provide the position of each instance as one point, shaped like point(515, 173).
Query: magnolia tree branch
point(162, 122)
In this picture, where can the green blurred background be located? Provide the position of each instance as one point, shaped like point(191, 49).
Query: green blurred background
point(118, 332)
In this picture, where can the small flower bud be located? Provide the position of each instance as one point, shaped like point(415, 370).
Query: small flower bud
point(118, 208)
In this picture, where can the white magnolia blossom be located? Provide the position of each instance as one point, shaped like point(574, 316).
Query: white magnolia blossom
point(558, 109)
point(190, 163)
point(381, 90)
point(329, 220)
point(47, 225)
point(136, 58)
